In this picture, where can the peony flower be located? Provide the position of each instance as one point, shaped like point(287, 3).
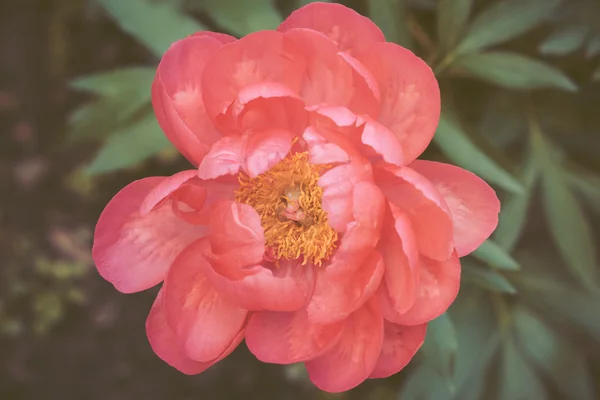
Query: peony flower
point(307, 227)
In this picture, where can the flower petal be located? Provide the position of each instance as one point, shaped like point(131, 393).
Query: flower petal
point(401, 257)
point(164, 189)
point(204, 321)
point(347, 28)
point(439, 282)
point(414, 195)
point(353, 358)
point(177, 96)
point(165, 344)
point(289, 337)
point(410, 96)
point(223, 38)
point(337, 296)
point(264, 56)
point(224, 158)
point(265, 149)
point(400, 344)
point(134, 251)
point(473, 204)
point(236, 238)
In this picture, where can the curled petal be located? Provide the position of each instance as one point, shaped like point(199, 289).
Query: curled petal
point(473, 204)
point(265, 149)
point(400, 344)
point(192, 202)
point(410, 96)
point(166, 345)
point(414, 195)
point(439, 282)
point(382, 141)
point(236, 238)
point(337, 296)
point(223, 38)
point(347, 28)
point(289, 337)
point(177, 96)
point(284, 112)
point(224, 158)
point(134, 251)
point(204, 321)
point(164, 189)
point(355, 355)
point(321, 150)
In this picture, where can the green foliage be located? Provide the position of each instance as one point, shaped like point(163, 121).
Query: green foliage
point(242, 18)
point(385, 13)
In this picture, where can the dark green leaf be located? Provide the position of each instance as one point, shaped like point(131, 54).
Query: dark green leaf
point(495, 256)
point(593, 46)
point(441, 346)
point(156, 25)
point(564, 41)
point(389, 15)
point(424, 384)
point(452, 15)
point(130, 146)
point(587, 184)
point(503, 21)
point(556, 357)
point(487, 278)
point(301, 3)
point(518, 381)
point(568, 224)
point(243, 17)
point(117, 82)
point(459, 148)
point(514, 71)
point(513, 214)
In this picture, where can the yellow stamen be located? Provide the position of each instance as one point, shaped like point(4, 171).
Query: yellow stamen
point(288, 200)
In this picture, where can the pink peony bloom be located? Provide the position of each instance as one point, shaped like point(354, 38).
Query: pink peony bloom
point(308, 228)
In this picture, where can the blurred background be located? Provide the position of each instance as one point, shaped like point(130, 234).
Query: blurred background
point(520, 86)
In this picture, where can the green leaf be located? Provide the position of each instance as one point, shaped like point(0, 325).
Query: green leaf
point(390, 16)
point(461, 150)
point(424, 384)
point(564, 41)
point(487, 278)
point(440, 345)
point(593, 46)
point(514, 71)
point(156, 25)
point(117, 82)
point(130, 146)
point(517, 379)
point(495, 256)
point(452, 15)
point(513, 214)
point(504, 21)
point(302, 3)
point(556, 357)
point(568, 224)
point(588, 184)
point(243, 17)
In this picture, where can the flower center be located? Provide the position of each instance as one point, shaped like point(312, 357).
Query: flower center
point(288, 200)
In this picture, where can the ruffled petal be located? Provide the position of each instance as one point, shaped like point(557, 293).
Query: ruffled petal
point(439, 282)
point(177, 96)
point(410, 95)
point(400, 344)
point(271, 106)
point(416, 196)
point(289, 337)
point(354, 357)
point(473, 204)
point(164, 189)
point(224, 158)
point(265, 149)
point(337, 296)
point(204, 321)
point(264, 56)
point(192, 201)
point(166, 345)
point(134, 251)
point(347, 28)
point(401, 257)
point(236, 238)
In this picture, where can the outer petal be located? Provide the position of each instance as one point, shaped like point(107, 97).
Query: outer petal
point(221, 37)
point(165, 344)
point(473, 203)
point(401, 257)
point(265, 56)
point(400, 343)
point(438, 286)
point(410, 96)
point(428, 212)
point(337, 296)
point(134, 251)
point(286, 338)
point(204, 321)
point(341, 24)
point(177, 96)
point(353, 358)
point(236, 238)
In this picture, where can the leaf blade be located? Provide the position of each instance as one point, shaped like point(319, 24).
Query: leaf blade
point(452, 16)
point(495, 256)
